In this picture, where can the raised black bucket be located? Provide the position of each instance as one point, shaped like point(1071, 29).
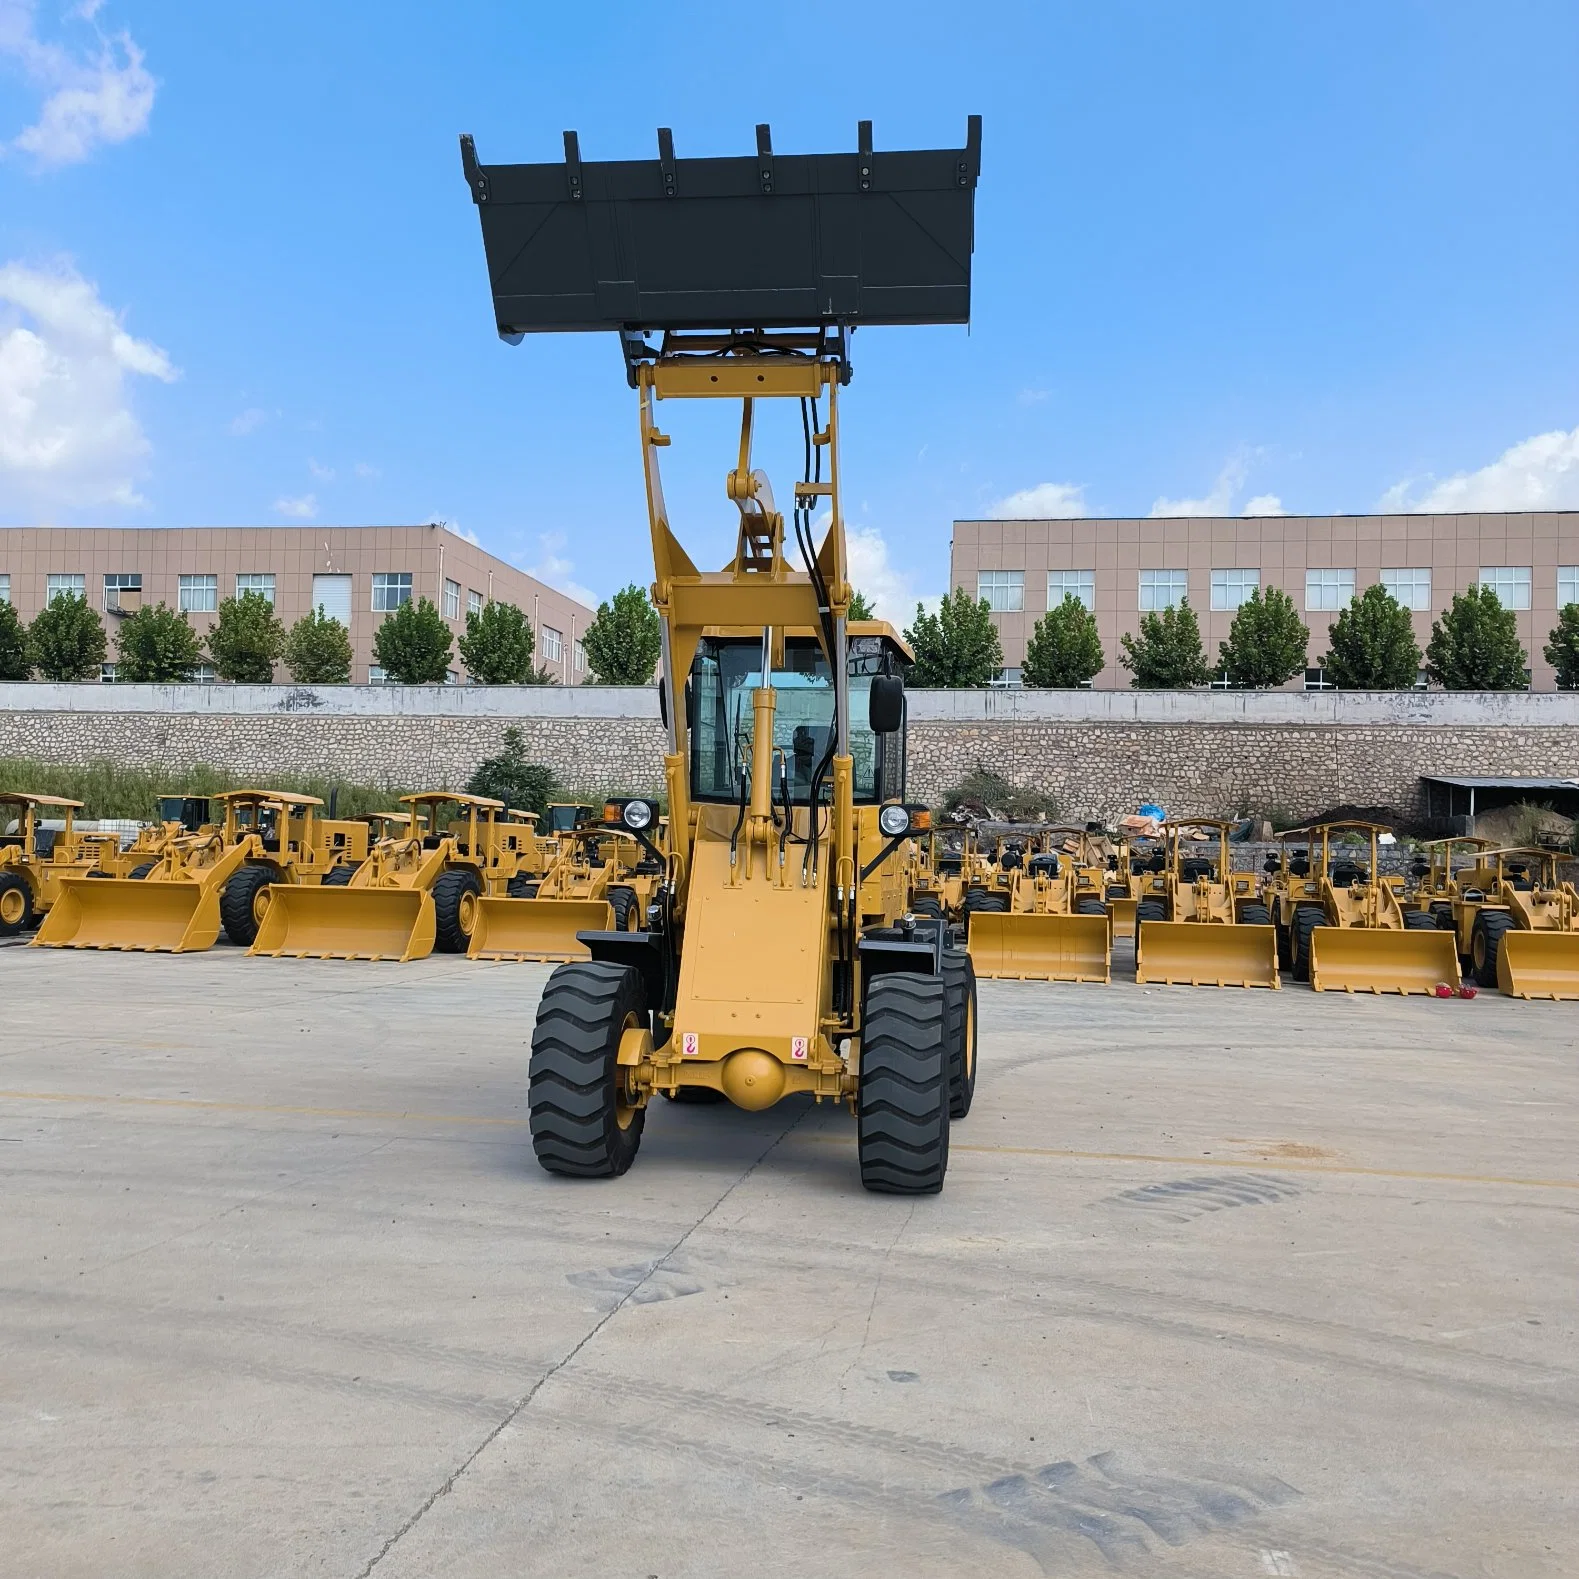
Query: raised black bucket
point(775, 241)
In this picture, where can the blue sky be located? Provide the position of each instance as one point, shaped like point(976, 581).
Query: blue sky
point(1230, 256)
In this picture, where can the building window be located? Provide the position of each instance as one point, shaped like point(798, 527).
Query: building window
point(107, 674)
point(59, 586)
point(1163, 589)
point(5, 589)
point(332, 598)
point(391, 589)
point(452, 600)
point(580, 651)
point(1316, 680)
point(199, 594)
point(1422, 680)
point(1412, 588)
point(205, 674)
point(1511, 583)
point(452, 677)
point(1567, 585)
point(114, 586)
point(375, 675)
point(1007, 679)
point(259, 581)
point(1082, 583)
point(1221, 682)
point(1230, 588)
point(1328, 590)
point(553, 644)
point(1004, 590)
point(473, 601)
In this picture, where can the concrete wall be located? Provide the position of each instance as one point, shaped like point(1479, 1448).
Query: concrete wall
point(1098, 752)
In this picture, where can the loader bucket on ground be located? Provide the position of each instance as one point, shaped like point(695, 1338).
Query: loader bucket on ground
point(1375, 959)
point(346, 923)
point(1206, 954)
point(1025, 947)
point(120, 913)
point(1539, 964)
point(1121, 912)
point(537, 929)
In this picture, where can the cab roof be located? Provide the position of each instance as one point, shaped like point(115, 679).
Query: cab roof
point(21, 797)
point(457, 797)
point(852, 629)
point(284, 797)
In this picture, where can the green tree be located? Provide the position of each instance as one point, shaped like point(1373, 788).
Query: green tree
point(16, 662)
point(624, 641)
point(1266, 642)
point(1373, 645)
point(317, 650)
point(957, 648)
point(521, 785)
point(67, 639)
point(860, 606)
point(497, 646)
point(1064, 650)
point(1166, 654)
point(246, 639)
point(156, 646)
point(1561, 652)
point(1475, 646)
point(413, 645)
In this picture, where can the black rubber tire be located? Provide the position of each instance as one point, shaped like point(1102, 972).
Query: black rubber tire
point(959, 1005)
point(138, 873)
point(1150, 910)
point(1419, 921)
point(573, 1089)
point(338, 876)
point(238, 904)
point(450, 933)
point(1118, 890)
point(1255, 916)
point(986, 899)
point(1443, 916)
point(1285, 946)
point(623, 901)
point(521, 887)
point(902, 1108)
point(1485, 943)
point(11, 882)
point(1090, 906)
point(927, 905)
point(1306, 919)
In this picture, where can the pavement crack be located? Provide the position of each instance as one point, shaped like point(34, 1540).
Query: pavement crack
point(877, 1288)
point(525, 1400)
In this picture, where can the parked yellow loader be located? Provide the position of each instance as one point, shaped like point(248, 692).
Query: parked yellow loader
point(35, 861)
point(225, 874)
point(1052, 926)
point(1516, 924)
point(1357, 936)
point(413, 893)
point(1136, 885)
point(1448, 870)
point(1215, 931)
point(778, 957)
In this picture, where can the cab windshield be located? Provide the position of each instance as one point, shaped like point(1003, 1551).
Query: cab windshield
point(726, 673)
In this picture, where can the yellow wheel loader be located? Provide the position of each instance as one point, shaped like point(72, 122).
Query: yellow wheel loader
point(36, 861)
point(1136, 874)
point(1213, 931)
point(1356, 934)
point(1446, 869)
point(777, 958)
point(415, 892)
point(1516, 924)
point(223, 875)
point(602, 879)
point(1051, 926)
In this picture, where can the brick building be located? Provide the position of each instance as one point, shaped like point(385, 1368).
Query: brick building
point(358, 574)
point(1123, 567)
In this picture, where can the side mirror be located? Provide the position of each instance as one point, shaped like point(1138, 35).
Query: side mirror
point(886, 704)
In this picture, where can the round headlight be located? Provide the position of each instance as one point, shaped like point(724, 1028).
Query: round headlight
point(894, 821)
point(638, 814)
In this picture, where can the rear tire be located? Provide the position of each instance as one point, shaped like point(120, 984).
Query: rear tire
point(1306, 920)
point(903, 1102)
point(138, 873)
point(581, 1124)
point(1485, 944)
point(1419, 921)
point(1089, 907)
point(455, 897)
point(241, 904)
point(623, 901)
point(520, 887)
point(986, 899)
point(959, 1007)
point(926, 905)
point(16, 904)
point(338, 876)
point(1443, 916)
point(1255, 916)
point(1150, 910)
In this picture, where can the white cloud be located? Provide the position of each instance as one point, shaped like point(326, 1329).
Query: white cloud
point(1541, 473)
point(1264, 504)
point(890, 590)
point(465, 533)
point(94, 95)
point(1218, 501)
point(1047, 501)
point(366, 472)
point(302, 506)
point(322, 473)
point(248, 421)
point(67, 434)
point(553, 569)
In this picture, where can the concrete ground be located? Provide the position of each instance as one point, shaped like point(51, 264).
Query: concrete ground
point(1223, 1284)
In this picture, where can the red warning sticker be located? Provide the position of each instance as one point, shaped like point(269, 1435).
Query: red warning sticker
point(798, 1048)
point(688, 1045)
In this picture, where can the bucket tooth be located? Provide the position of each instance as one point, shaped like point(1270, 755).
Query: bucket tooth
point(1539, 965)
point(347, 923)
point(1026, 946)
point(1378, 959)
point(537, 929)
point(1206, 954)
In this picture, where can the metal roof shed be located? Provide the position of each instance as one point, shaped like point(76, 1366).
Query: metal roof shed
point(1466, 795)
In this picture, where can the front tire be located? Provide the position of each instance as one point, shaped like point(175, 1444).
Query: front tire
point(1486, 943)
point(455, 897)
point(1306, 920)
point(243, 902)
point(959, 1005)
point(583, 1123)
point(16, 904)
point(903, 1104)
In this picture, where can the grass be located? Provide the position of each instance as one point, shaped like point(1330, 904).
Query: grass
point(114, 789)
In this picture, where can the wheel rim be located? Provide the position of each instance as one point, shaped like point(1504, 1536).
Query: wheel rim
point(625, 1108)
point(970, 1037)
point(1478, 949)
point(13, 906)
point(260, 902)
point(466, 913)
